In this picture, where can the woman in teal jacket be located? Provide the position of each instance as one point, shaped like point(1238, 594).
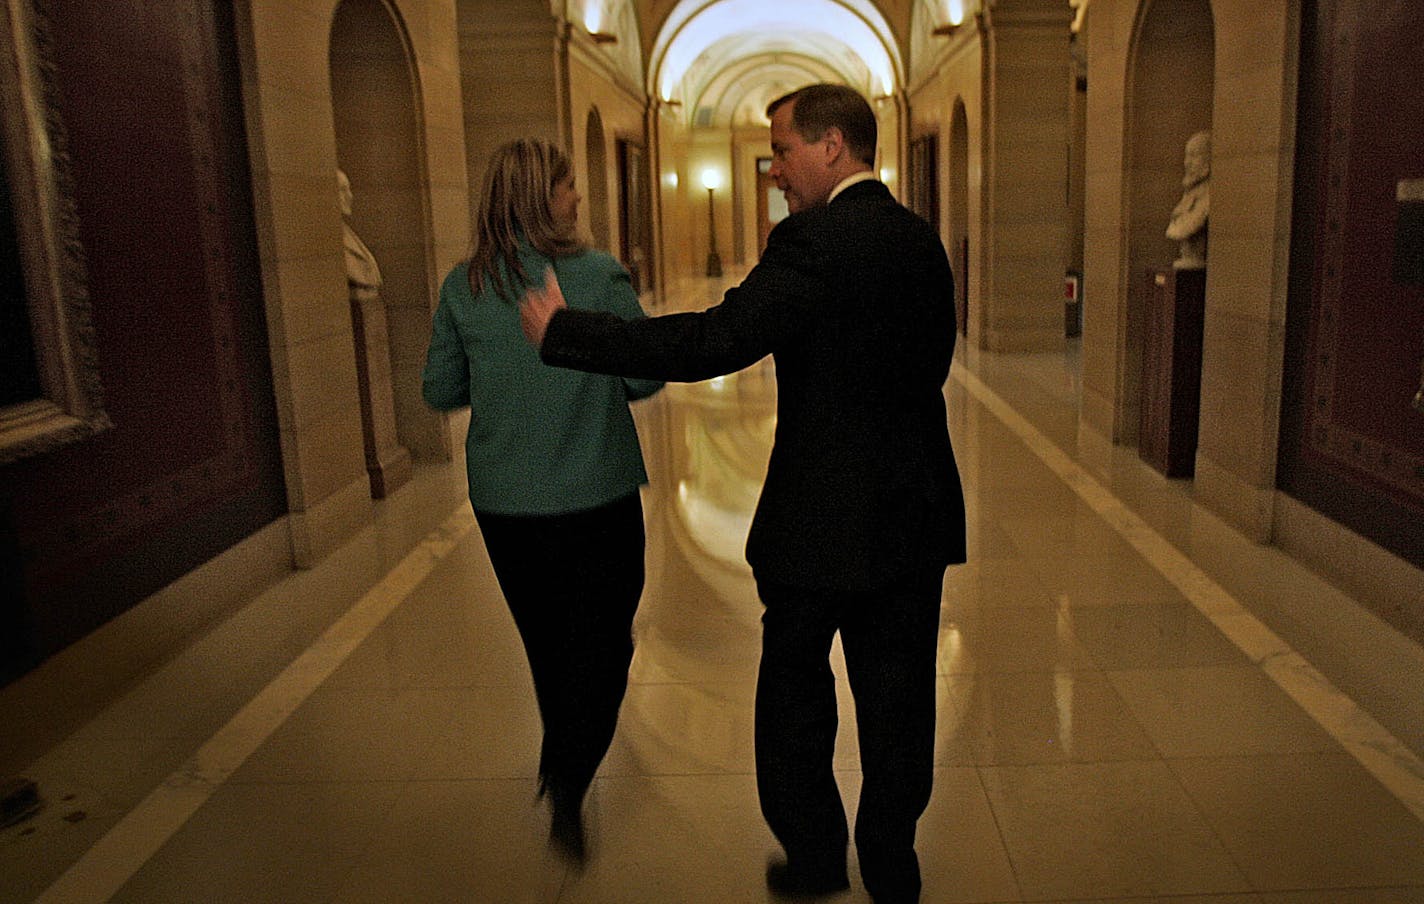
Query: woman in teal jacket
point(553, 461)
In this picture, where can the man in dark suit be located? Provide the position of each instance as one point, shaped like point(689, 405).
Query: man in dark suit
point(862, 509)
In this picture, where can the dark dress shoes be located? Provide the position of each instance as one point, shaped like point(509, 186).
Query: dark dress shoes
point(566, 833)
point(566, 836)
point(788, 883)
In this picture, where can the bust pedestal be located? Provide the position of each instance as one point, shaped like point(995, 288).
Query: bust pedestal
point(387, 461)
point(1171, 370)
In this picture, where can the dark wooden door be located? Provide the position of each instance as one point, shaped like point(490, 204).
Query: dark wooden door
point(1352, 442)
point(771, 203)
point(634, 215)
point(149, 93)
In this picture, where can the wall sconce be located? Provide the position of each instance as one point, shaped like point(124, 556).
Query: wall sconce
point(956, 17)
point(593, 22)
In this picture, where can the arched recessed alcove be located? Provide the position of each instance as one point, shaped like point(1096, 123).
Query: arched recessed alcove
point(379, 145)
point(1169, 98)
point(597, 181)
point(959, 211)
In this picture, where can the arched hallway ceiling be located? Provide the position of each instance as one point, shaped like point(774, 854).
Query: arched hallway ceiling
point(740, 93)
point(798, 41)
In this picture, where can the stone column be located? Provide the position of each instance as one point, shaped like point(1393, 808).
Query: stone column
point(1026, 137)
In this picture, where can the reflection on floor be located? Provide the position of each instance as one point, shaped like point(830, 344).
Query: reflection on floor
point(1136, 705)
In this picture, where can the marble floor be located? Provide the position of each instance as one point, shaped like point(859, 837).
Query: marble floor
point(1136, 705)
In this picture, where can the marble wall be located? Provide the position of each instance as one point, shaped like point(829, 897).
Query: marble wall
point(286, 50)
point(1252, 121)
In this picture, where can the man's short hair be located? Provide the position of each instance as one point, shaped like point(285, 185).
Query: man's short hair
point(823, 106)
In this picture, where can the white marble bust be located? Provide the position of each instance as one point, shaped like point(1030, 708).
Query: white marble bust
point(362, 272)
point(1189, 218)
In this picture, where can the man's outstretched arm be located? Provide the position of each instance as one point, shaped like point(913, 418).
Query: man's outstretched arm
point(686, 347)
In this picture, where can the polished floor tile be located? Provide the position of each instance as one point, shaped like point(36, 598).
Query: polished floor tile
point(1085, 580)
point(1074, 533)
point(1083, 830)
point(1167, 635)
point(1047, 717)
point(962, 856)
point(1013, 640)
point(994, 581)
point(268, 843)
point(1352, 895)
point(1312, 821)
point(1217, 711)
point(1127, 711)
point(458, 842)
point(675, 838)
point(355, 735)
point(1172, 899)
point(683, 729)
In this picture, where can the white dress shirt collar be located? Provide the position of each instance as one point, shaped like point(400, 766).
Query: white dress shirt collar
point(848, 181)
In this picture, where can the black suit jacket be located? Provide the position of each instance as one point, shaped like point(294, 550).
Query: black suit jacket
point(855, 301)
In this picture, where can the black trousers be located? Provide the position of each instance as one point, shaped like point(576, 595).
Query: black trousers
point(890, 638)
point(572, 583)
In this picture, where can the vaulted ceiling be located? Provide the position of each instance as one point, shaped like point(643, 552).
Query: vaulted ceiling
point(721, 60)
point(653, 13)
point(724, 59)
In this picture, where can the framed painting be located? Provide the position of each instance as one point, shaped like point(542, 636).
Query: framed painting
point(50, 392)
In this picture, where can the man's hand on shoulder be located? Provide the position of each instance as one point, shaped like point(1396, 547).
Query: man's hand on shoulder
point(539, 306)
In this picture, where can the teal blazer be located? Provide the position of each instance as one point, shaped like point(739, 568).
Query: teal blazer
point(542, 440)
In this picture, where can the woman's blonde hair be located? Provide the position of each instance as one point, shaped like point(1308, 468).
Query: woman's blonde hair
point(517, 200)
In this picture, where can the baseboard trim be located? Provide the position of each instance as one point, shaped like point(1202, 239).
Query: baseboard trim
point(1388, 586)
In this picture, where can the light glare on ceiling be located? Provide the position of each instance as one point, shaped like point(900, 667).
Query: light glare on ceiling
point(789, 17)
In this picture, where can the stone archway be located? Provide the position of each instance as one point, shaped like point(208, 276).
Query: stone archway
point(1169, 98)
point(379, 146)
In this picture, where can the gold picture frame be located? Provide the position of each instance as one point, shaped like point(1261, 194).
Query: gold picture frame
point(69, 405)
